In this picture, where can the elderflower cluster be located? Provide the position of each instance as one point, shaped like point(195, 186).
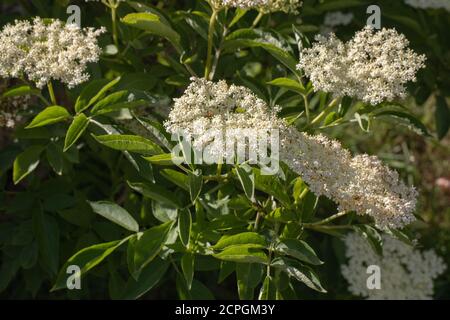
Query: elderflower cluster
point(48, 50)
point(405, 272)
point(360, 183)
point(213, 114)
point(373, 66)
point(266, 6)
point(429, 4)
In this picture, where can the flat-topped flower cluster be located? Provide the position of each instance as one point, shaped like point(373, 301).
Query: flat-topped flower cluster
point(44, 50)
point(373, 66)
point(361, 183)
point(406, 272)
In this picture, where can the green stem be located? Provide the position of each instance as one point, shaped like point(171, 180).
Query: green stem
point(257, 19)
point(51, 93)
point(325, 111)
point(40, 96)
point(329, 219)
point(209, 57)
point(308, 117)
point(114, 25)
point(259, 216)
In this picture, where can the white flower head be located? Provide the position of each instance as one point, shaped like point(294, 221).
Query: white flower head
point(373, 66)
point(48, 50)
point(209, 110)
point(406, 273)
point(360, 183)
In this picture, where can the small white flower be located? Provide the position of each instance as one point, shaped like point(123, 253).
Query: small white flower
point(361, 183)
point(208, 110)
point(44, 51)
point(406, 273)
point(373, 66)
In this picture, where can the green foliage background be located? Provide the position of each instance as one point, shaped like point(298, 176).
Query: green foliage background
point(92, 158)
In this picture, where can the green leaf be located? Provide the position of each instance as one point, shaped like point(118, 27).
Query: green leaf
point(372, 236)
point(152, 23)
point(88, 93)
point(148, 245)
point(86, 259)
point(164, 213)
point(248, 276)
point(184, 226)
point(298, 249)
point(249, 37)
point(442, 115)
point(20, 90)
point(26, 162)
point(47, 234)
point(76, 129)
point(289, 84)
point(155, 192)
point(149, 277)
point(165, 159)
point(129, 143)
point(249, 239)
point(116, 214)
point(195, 184)
point(268, 289)
point(120, 105)
point(247, 179)
point(300, 272)
point(115, 97)
point(102, 92)
point(270, 184)
point(242, 254)
point(55, 157)
point(157, 129)
point(408, 120)
point(48, 116)
point(187, 266)
point(176, 177)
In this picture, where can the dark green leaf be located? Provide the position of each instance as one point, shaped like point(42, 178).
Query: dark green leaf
point(116, 214)
point(48, 116)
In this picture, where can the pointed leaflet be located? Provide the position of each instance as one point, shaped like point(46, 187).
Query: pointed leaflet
point(195, 184)
point(187, 266)
point(148, 245)
point(129, 143)
point(298, 249)
point(86, 259)
point(184, 226)
point(93, 92)
point(300, 272)
point(48, 116)
point(249, 239)
point(76, 129)
point(247, 179)
point(116, 214)
point(26, 162)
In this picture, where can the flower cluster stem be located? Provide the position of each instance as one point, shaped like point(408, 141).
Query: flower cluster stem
point(209, 56)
